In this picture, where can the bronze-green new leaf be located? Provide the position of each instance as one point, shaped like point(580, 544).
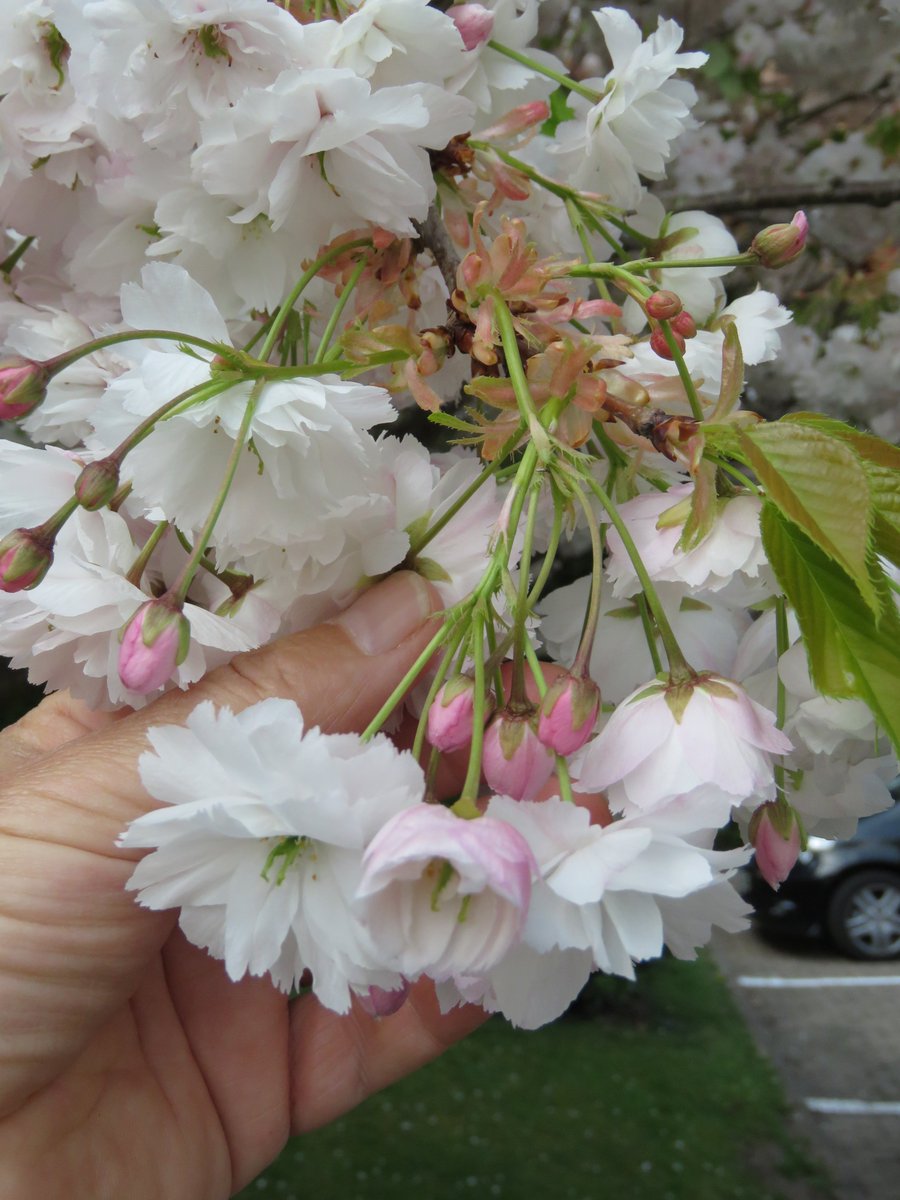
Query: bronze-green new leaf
point(881, 462)
point(818, 482)
point(849, 654)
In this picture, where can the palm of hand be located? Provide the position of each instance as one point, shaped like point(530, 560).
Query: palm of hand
point(129, 1063)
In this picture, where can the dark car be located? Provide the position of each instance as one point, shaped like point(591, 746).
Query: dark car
point(847, 891)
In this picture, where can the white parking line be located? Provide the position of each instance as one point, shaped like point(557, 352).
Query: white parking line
point(854, 1108)
point(817, 981)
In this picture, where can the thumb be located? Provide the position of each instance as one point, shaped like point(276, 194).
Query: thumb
point(339, 673)
point(63, 876)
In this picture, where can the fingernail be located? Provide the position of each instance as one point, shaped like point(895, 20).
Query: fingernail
point(388, 613)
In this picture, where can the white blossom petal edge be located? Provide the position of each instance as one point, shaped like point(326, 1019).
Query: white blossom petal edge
point(261, 841)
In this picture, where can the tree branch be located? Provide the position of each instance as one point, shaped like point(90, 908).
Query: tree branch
point(877, 193)
point(433, 236)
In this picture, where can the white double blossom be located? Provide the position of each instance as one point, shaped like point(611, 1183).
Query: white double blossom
point(260, 842)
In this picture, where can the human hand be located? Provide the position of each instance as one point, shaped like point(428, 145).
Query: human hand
point(130, 1065)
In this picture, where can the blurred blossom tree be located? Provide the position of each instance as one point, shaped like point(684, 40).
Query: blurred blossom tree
point(799, 108)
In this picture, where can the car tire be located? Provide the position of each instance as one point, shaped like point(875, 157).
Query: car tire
point(864, 915)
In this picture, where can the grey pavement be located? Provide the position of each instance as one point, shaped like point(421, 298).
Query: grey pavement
point(828, 1043)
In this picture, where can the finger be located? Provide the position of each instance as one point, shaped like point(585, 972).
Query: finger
point(337, 1062)
point(340, 674)
point(58, 719)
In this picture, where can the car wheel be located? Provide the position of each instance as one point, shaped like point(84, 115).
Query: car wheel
point(864, 915)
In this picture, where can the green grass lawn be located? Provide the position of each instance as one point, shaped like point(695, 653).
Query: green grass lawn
point(652, 1091)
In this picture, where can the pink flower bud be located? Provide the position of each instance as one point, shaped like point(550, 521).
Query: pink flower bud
point(568, 713)
point(775, 834)
point(777, 245)
point(154, 641)
point(474, 22)
point(451, 716)
point(25, 558)
point(663, 305)
point(97, 484)
point(379, 1002)
point(684, 324)
point(515, 762)
point(23, 385)
point(660, 346)
point(517, 120)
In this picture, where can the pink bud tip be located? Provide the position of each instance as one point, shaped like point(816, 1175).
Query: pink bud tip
point(451, 716)
point(568, 714)
point(684, 324)
point(23, 385)
point(474, 22)
point(775, 834)
point(154, 642)
point(515, 762)
point(25, 558)
point(660, 346)
point(517, 120)
point(663, 305)
point(379, 1002)
point(777, 245)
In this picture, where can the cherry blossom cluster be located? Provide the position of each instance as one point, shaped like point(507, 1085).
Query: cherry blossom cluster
point(295, 299)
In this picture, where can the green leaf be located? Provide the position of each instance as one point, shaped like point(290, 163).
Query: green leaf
point(869, 447)
point(886, 536)
point(819, 483)
point(417, 529)
point(722, 439)
point(881, 462)
point(451, 422)
point(849, 655)
point(431, 570)
point(560, 111)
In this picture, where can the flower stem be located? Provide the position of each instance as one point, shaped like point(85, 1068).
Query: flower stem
point(683, 373)
point(679, 668)
point(469, 793)
point(137, 568)
point(180, 588)
point(15, 254)
point(338, 309)
point(198, 394)
point(308, 275)
point(672, 264)
point(649, 634)
point(564, 81)
point(576, 220)
point(417, 546)
point(407, 681)
point(54, 523)
point(518, 694)
point(537, 428)
point(580, 664)
point(68, 357)
point(550, 555)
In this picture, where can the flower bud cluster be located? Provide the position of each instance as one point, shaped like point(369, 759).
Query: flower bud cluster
point(520, 741)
